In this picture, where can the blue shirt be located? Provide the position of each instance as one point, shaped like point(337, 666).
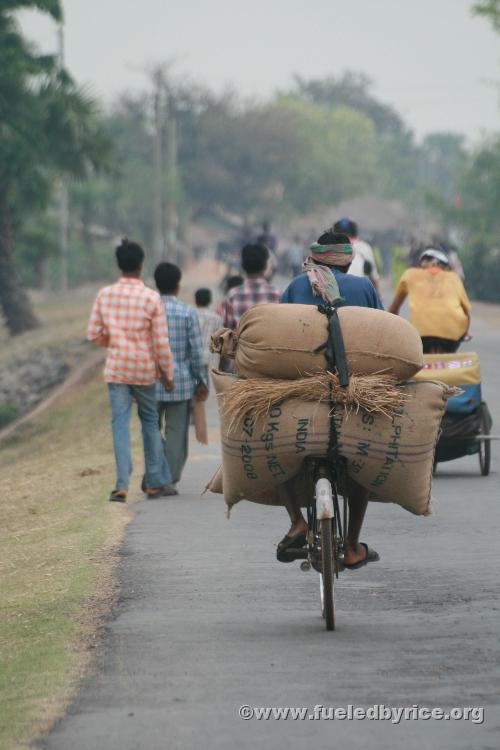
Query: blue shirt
point(356, 291)
point(187, 350)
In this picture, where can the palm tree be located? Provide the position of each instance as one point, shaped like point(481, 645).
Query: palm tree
point(47, 126)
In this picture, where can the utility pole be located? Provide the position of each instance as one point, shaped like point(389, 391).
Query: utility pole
point(63, 199)
point(172, 219)
point(165, 170)
point(158, 223)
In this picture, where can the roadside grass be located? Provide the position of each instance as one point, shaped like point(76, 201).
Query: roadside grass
point(63, 321)
point(59, 540)
point(59, 536)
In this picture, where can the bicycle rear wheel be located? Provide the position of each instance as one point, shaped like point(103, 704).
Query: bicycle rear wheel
point(484, 445)
point(327, 573)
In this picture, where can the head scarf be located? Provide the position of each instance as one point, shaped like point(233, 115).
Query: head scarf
point(317, 265)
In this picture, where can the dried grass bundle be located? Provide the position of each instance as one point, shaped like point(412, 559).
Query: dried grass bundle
point(256, 397)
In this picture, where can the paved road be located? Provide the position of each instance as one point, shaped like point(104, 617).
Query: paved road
point(208, 621)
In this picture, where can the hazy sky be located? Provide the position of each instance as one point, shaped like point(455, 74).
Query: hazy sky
point(430, 59)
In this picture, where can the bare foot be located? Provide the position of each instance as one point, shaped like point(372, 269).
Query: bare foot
point(298, 528)
point(354, 554)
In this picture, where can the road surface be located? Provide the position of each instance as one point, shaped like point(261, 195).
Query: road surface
point(208, 621)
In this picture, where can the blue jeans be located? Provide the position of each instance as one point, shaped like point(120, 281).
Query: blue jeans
point(156, 466)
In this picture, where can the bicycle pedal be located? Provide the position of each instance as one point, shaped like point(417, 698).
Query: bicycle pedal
point(305, 565)
point(295, 553)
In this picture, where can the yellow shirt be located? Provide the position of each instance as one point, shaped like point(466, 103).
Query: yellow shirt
point(437, 302)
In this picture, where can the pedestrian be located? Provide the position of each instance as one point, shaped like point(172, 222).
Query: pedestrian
point(128, 319)
point(210, 322)
point(295, 256)
point(267, 238)
point(228, 283)
point(255, 289)
point(189, 371)
point(363, 262)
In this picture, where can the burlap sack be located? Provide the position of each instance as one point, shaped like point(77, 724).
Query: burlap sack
point(300, 486)
point(391, 458)
point(282, 342)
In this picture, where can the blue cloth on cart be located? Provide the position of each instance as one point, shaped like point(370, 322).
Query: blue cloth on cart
point(465, 402)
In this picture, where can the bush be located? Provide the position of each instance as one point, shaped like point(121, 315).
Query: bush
point(8, 412)
point(481, 264)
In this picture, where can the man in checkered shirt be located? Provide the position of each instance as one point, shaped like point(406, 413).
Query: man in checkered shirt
point(128, 319)
point(189, 369)
point(255, 289)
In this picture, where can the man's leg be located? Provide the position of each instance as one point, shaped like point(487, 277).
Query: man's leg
point(120, 398)
point(175, 434)
point(292, 504)
point(358, 501)
point(156, 467)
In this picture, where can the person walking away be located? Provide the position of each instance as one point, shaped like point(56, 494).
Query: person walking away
point(189, 371)
point(255, 289)
point(325, 279)
point(128, 319)
point(210, 322)
point(363, 262)
point(295, 256)
point(439, 307)
point(267, 238)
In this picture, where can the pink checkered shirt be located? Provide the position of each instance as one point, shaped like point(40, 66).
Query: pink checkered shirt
point(129, 320)
point(242, 298)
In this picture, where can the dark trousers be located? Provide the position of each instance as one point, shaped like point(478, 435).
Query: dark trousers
point(435, 344)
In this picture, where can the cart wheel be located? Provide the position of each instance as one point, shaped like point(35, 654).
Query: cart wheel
point(484, 445)
point(327, 573)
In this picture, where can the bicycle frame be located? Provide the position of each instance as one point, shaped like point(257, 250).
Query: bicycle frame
point(325, 505)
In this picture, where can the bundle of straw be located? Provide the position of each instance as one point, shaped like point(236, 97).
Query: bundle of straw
point(255, 397)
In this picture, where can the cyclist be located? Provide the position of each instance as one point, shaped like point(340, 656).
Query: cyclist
point(324, 278)
point(438, 304)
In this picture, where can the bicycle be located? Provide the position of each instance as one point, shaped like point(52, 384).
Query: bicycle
point(326, 527)
point(326, 535)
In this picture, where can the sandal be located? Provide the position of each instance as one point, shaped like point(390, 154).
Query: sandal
point(167, 491)
point(118, 496)
point(371, 556)
point(289, 542)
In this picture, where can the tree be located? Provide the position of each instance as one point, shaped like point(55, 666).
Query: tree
point(47, 125)
point(490, 9)
point(397, 154)
point(351, 90)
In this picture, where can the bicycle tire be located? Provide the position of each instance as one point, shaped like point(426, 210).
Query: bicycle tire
point(484, 445)
point(327, 573)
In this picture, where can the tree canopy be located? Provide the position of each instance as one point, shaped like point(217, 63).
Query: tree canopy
point(48, 126)
point(490, 9)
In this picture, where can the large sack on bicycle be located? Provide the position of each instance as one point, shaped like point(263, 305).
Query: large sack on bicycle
point(259, 457)
point(392, 458)
point(285, 342)
point(299, 485)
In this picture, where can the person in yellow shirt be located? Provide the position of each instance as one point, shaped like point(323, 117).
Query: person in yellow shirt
point(437, 301)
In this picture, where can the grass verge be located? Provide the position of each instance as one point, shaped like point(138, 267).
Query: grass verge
point(58, 544)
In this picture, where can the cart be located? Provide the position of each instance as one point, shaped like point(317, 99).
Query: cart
point(466, 425)
point(466, 435)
